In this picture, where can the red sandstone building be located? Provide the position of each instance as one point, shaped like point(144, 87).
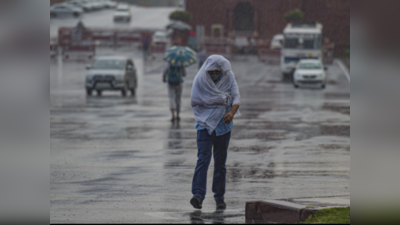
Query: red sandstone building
point(264, 18)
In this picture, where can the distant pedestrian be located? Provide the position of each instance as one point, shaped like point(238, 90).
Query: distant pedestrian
point(201, 56)
point(215, 100)
point(145, 45)
point(173, 76)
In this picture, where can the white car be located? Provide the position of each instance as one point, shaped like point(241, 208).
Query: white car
point(161, 38)
point(111, 73)
point(241, 43)
point(97, 4)
point(79, 4)
point(277, 41)
point(122, 12)
point(108, 3)
point(64, 9)
point(92, 5)
point(309, 71)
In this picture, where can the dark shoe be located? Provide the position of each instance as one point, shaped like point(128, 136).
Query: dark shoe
point(196, 202)
point(172, 119)
point(221, 204)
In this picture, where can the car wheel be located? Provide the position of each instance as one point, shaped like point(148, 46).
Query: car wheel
point(295, 85)
point(53, 15)
point(99, 92)
point(123, 92)
point(76, 14)
point(133, 91)
point(88, 91)
point(323, 86)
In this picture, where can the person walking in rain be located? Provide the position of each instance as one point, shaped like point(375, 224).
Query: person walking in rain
point(215, 100)
point(201, 57)
point(145, 45)
point(173, 75)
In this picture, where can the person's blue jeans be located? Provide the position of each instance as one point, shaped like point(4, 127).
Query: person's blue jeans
point(205, 143)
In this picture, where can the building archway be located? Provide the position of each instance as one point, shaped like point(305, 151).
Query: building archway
point(243, 18)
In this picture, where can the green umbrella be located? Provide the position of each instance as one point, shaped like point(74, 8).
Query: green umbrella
point(180, 56)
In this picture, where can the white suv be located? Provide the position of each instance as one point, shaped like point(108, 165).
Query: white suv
point(309, 71)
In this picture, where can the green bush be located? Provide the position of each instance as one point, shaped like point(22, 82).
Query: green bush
point(184, 16)
point(330, 216)
point(294, 16)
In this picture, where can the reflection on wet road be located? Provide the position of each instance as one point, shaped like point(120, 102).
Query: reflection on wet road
point(120, 159)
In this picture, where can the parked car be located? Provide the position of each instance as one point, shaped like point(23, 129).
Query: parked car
point(161, 38)
point(309, 71)
point(277, 41)
point(97, 4)
point(108, 3)
point(89, 4)
point(111, 73)
point(79, 4)
point(241, 44)
point(122, 12)
point(64, 9)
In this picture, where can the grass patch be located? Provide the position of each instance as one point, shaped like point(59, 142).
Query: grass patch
point(330, 216)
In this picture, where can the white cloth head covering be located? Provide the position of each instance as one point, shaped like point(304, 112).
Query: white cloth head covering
point(210, 100)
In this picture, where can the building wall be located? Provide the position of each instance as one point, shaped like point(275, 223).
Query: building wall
point(268, 16)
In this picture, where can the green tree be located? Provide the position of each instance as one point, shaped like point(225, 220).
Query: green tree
point(184, 16)
point(295, 15)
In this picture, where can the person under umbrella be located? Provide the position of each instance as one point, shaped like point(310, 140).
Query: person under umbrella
point(174, 75)
point(215, 100)
point(178, 58)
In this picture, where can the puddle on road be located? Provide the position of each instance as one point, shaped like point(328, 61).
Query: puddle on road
point(243, 171)
point(251, 149)
point(202, 217)
point(336, 95)
point(260, 134)
point(331, 82)
point(217, 217)
point(336, 108)
point(335, 147)
point(335, 130)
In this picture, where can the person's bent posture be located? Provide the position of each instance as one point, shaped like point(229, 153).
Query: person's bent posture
point(215, 100)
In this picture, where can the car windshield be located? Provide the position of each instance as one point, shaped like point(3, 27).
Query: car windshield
point(109, 64)
point(310, 66)
point(313, 42)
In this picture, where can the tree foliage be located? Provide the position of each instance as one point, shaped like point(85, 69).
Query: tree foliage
point(295, 15)
point(184, 16)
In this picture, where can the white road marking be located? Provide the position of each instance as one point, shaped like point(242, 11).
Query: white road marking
point(344, 69)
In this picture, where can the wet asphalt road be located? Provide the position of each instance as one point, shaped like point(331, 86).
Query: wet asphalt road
point(120, 159)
